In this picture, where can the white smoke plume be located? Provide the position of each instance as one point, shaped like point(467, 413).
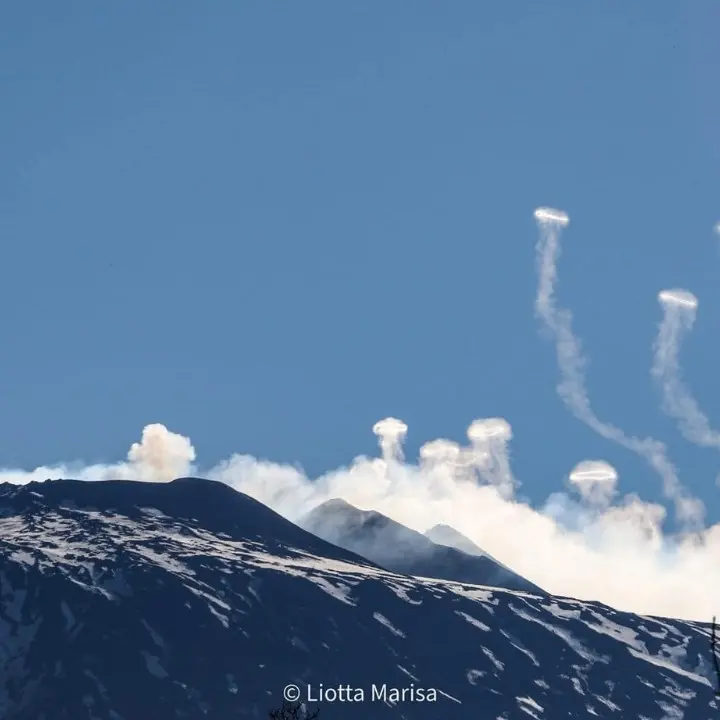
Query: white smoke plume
point(679, 311)
point(592, 544)
point(596, 482)
point(572, 388)
point(490, 439)
point(160, 456)
point(391, 433)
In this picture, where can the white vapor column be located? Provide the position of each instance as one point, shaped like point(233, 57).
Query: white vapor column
point(391, 433)
point(595, 481)
point(571, 363)
point(490, 438)
point(679, 311)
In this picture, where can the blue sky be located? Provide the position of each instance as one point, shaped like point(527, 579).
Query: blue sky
point(268, 225)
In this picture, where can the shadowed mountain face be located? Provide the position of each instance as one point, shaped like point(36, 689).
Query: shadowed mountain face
point(449, 536)
point(446, 535)
point(188, 600)
point(402, 550)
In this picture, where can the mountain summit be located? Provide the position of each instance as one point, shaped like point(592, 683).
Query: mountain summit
point(402, 550)
point(188, 600)
point(446, 535)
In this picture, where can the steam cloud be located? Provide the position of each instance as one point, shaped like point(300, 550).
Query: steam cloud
point(572, 370)
point(588, 542)
point(160, 456)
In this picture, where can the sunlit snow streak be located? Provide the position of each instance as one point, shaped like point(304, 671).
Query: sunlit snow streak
point(679, 312)
point(571, 362)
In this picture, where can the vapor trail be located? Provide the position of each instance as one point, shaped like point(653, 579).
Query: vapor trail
point(679, 311)
point(571, 362)
point(490, 438)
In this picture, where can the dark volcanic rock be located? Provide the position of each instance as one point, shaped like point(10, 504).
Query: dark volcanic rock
point(188, 600)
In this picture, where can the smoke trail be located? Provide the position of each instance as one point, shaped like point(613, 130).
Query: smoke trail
point(679, 310)
point(572, 369)
point(596, 481)
point(391, 433)
point(490, 439)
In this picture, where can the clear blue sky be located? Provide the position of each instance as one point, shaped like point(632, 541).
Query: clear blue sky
point(268, 225)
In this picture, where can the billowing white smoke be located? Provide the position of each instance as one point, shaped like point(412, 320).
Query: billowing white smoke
point(680, 308)
point(160, 456)
point(572, 363)
point(598, 546)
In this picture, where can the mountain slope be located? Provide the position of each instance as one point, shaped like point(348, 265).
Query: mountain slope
point(446, 535)
point(133, 601)
point(450, 537)
point(402, 550)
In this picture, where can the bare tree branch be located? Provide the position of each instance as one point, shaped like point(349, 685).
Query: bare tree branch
point(293, 711)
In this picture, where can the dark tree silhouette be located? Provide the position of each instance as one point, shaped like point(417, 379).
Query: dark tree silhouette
point(293, 711)
point(713, 642)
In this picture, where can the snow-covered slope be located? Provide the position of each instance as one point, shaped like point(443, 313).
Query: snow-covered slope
point(134, 601)
point(402, 550)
